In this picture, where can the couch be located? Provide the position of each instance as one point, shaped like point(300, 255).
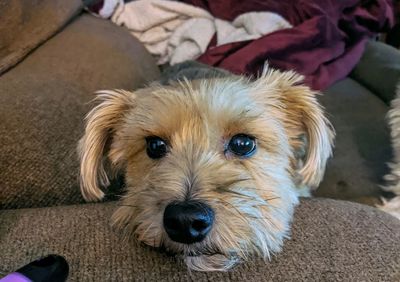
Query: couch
point(50, 67)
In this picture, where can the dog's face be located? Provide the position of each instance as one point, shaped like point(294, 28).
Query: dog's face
point(213, 168)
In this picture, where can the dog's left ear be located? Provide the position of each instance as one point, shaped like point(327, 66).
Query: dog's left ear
point(305, 122)
point(101, 124)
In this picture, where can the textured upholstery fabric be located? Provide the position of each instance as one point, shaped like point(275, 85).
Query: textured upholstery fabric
point(331, 241)
point(362, 145)
point(43, 101)
point(27, 23)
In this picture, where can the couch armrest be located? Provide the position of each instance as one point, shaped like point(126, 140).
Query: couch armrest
point(379, 69)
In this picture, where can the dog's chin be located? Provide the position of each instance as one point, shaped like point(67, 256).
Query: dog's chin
point(211, 262)
point(198, 257)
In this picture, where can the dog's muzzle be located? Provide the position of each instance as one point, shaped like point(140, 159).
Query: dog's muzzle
point(188, 222)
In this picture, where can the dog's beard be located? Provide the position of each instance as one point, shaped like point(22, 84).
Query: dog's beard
point(246, 225)
point(203, 256)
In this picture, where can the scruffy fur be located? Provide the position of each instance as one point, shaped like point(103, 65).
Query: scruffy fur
point(393, 178)
point(253, 198)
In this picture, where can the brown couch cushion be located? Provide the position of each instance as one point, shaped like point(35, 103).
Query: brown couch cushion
point(362, 145)
point(43, 101)
point(26, 24)
point(331, 241)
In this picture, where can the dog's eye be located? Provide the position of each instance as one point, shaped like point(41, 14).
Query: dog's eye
point(242, 145)
point(156, 147)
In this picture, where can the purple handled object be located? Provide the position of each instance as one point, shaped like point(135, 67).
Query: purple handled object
point(52, 268)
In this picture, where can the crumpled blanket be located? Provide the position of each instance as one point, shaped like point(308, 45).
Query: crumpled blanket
point(325, 43)
point(175, 32)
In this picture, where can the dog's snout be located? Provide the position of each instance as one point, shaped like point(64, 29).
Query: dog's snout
point(188, 222)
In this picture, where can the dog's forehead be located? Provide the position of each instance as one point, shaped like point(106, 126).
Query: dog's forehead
point(200, 107)
point(204, 113)
point(201, 112)
point(218, 103)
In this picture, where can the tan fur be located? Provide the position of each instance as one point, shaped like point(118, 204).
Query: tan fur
point(253, 198)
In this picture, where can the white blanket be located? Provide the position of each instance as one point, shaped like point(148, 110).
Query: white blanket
point(175, 32)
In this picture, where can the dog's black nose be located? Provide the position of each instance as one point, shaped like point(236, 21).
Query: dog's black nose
point(188, 222)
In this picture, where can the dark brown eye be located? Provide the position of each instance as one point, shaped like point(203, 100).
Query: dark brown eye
point(242, 145)
point(156, 147)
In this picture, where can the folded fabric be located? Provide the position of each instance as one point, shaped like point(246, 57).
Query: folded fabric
point(325, 43)
point(175, 32)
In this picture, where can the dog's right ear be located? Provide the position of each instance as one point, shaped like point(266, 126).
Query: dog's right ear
point(101, 124)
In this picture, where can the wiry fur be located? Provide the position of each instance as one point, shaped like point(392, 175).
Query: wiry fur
point(393, 179)
point(253, 198)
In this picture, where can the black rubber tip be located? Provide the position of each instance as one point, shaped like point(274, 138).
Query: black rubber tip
point(52, 268)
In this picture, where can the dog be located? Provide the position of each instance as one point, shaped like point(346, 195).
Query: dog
point(214, 163)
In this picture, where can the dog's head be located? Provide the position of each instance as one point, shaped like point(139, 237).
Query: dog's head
point(213, 167)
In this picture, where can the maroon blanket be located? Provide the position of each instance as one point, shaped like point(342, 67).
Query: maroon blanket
point(326, 42)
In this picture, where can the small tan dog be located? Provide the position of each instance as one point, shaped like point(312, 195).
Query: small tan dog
point(214, 163)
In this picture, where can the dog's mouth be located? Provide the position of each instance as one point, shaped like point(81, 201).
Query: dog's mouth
point(189, 250)
point(203, 253)
point(204, 258)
